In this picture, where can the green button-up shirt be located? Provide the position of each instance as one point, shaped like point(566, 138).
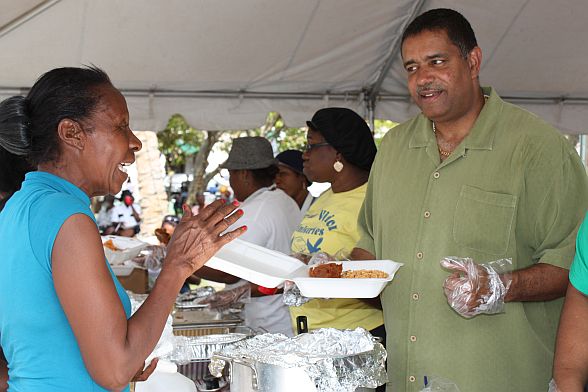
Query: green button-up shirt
point(514, 188)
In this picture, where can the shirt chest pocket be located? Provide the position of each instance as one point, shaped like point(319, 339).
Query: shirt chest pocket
point(483, 220)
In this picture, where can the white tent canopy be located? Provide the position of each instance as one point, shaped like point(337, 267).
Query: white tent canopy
point(224, 64)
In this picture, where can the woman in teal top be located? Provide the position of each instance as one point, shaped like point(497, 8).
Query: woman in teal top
point(64, 318)
point(570, 369)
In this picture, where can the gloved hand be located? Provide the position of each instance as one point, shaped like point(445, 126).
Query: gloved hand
point(553, 387)
point(474, 288)
point(292, 295)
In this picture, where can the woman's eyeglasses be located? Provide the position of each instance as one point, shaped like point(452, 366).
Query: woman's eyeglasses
point(309, 147)
point(171, 219)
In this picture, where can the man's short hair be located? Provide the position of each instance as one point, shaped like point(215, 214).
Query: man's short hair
point(457, 27)
point(265, 176)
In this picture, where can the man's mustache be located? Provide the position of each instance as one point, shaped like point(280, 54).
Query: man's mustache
point(428, 87)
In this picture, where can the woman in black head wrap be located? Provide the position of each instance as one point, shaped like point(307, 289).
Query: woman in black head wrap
point(340, 150)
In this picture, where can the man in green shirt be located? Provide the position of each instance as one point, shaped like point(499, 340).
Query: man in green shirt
point(471, 176)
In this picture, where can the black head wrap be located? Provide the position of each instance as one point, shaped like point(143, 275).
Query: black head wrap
point(348, 133)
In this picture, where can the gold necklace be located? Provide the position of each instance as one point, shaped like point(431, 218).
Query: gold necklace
point(442, 152)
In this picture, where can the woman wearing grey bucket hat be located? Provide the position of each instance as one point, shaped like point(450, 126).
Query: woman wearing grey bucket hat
point(270, 216)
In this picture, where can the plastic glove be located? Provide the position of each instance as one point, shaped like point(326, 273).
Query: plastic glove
point(553, 387)
point(321, 258)
point(438, 384)
point(292, 295)
point(475, 289)
point(240, 292)
point(155, 256)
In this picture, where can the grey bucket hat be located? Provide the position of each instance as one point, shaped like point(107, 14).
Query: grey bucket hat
point(250, 153)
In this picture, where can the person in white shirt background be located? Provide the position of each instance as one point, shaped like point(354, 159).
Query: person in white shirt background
point(104, 218)
point(270, 216)
point(127, 216)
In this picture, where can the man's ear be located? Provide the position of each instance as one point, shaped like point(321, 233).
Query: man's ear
point(475, 61)
point(71, 133)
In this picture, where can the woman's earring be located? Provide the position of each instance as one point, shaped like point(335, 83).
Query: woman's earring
point(338, 166)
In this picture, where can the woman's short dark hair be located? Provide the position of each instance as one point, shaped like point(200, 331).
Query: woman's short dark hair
point(458, 29)
point(28, 125)
point(265, 176)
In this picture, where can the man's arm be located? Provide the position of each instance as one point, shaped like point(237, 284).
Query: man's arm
point(3, 372)
point(570, 368)
point(361, 254)
point(540, 282)
point(222, 277)
point(216, 275)
point(474, 289)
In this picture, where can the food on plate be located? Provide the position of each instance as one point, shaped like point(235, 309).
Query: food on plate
point(327, 270)
point(364, 273)
point(335, 270)
point(162, 236)
point(110, 245)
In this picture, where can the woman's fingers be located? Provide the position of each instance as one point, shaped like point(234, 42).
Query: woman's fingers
point(220, 214)
point(210, 209)
point(211, 215)
point(187, 212)
point(230, 236)
point(144, 374)
point(225, 223)
point(197, 238)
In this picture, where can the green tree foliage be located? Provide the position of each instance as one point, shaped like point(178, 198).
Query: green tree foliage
point(178, 141)
point(275, 130)
point(283, 137)
point(181, 143)
point(381, 127)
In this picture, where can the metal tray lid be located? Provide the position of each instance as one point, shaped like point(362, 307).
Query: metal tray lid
point(199, 317)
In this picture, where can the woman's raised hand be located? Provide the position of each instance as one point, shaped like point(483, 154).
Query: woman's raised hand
point(198, 237)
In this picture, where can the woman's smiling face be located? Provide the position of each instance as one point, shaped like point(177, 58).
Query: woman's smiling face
point(110, 143)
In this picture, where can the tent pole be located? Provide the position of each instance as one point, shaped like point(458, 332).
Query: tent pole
point(31, 13)
point(371, 112)
point(374, 91)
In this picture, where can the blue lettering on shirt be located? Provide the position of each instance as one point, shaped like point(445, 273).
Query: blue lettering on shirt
point(329, 220)
point(314, 248)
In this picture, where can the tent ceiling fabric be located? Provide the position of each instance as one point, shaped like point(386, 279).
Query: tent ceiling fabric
point(225, 64)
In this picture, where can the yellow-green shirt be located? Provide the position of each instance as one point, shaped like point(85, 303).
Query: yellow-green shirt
point(514, 188)
point(330, 225)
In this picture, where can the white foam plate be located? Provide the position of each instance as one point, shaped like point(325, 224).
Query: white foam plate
point(122, 269)
point(255, 263)
point(129, 248)
point(347, 288)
